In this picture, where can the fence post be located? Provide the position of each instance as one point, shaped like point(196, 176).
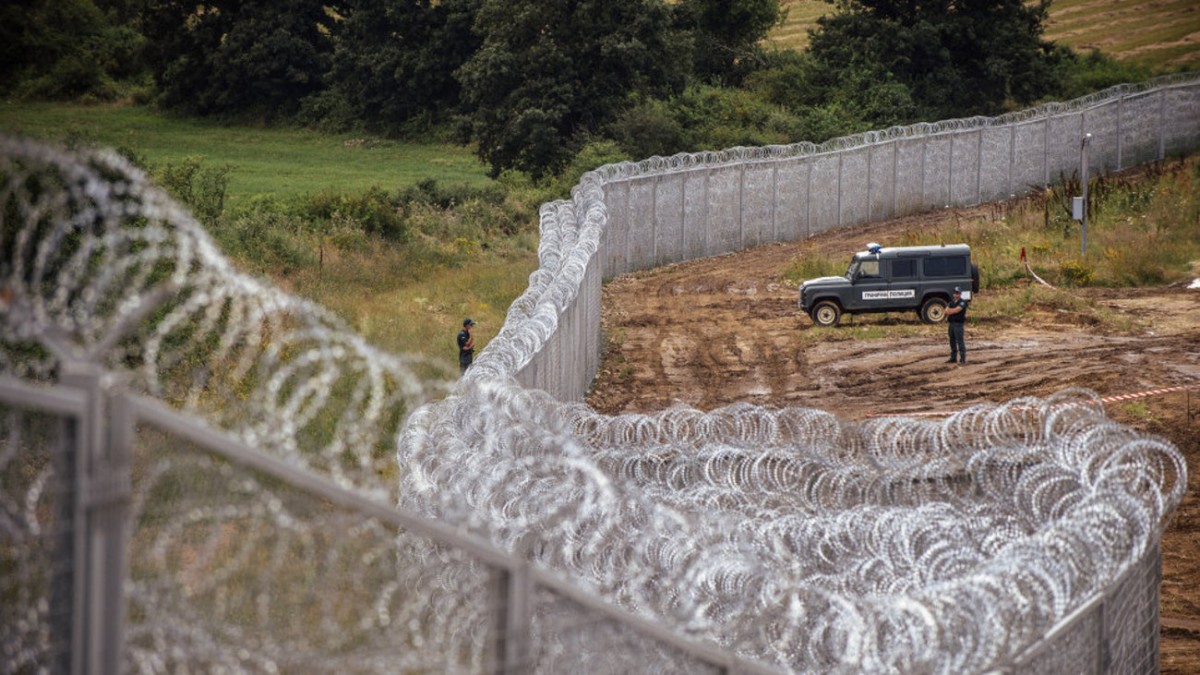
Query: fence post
point(100, 504)
point(513, 619)
point(1162, 125)
point(66, 579)
point(1120, 133)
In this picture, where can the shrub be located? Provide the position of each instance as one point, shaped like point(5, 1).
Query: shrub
point(374, 211)
point(199, 187)
point(428, 191)
point(647, 130)
point(1081, 75)
point(811, 265)
point(269, 240)
point(1075, 273)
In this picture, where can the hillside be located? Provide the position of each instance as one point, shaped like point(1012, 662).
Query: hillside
point(1164, 32)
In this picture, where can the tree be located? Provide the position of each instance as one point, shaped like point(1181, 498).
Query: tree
point(551, 72)
point(253, 57)
point(395, 59)
point(67, 48)
point(955, 58)
point(727, 34)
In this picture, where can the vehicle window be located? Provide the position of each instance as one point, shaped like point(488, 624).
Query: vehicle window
point(868, 268)
point(904, 269)
point(946, 267)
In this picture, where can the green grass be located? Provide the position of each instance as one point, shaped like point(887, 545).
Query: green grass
point(402, 297)
point(380, 295)
point(265, 161)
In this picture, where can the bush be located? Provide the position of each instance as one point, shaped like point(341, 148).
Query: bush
point(592, 155)
point(374, 211)
point(428, 191)
point(202, 189)
point(1075, 273)
point(269, 240)
point(1083, 75)
point(647, 130)
point(812, 265)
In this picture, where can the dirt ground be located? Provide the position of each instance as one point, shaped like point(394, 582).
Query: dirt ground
point(722, 330)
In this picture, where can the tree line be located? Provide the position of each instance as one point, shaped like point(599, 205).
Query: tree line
point(535, 83)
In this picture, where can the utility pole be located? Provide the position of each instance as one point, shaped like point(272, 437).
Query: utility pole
point(1083, 162)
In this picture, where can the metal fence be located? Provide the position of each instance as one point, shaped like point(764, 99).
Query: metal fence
point(137, 539)
point(318, 507)
point(635, 216)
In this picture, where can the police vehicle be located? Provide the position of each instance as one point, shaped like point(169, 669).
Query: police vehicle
point(893, 279)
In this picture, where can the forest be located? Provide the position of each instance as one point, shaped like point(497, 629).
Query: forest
point(529, 85)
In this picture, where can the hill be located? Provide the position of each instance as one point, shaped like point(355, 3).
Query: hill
point(1164, 35)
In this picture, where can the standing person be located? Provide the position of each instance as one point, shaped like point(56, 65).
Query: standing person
point(956, 316)
point(466, 345)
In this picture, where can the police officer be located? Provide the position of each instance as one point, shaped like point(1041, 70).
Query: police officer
point(466, 345)
point(956, 316)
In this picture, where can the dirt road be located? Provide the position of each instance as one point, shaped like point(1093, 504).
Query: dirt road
point(722, 330)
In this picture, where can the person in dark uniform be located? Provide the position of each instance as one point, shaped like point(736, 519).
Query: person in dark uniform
point(956, 316)
point(466, 345)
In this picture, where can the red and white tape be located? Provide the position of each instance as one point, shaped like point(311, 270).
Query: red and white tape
point(1106, 399)
point(1142, 394)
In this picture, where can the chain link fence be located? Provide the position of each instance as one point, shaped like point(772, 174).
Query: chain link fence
point(635, 216)
point(200, 472)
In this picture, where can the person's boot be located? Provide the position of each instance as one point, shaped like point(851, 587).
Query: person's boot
point(952, 359)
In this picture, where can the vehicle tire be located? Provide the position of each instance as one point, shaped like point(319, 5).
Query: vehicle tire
point(826, 313)
point(974, 278)
point(933, 311)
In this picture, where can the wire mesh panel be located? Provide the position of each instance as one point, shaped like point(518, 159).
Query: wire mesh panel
point(235, 570)
point(791, 199)
point(1075, 650)
point(1102, 122)
point(1131, 619)
point(824, 191)
point(1063, 142)
point(668, 219)
point(36, 560)
point(695, 213)
point(854, 183)
point(642, 228)
point(724, 208)
point(882, 160)
point(569, 638)
point(1180, 103)
point(1141, 127)
point(910, 175)
point(937, 164)
point(995, 163)
point(758, 205)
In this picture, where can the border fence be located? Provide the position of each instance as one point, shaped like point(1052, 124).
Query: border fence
point(149, 542)
point(199, 472)
point(634, 216)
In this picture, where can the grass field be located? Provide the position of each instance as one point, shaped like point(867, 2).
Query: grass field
point(1164, 35)
point(279, 162)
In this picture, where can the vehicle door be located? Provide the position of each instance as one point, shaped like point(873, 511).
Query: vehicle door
point(869, 288)
point(903, 284)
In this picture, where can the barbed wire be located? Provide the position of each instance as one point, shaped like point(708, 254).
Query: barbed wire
point(788, 535)
point(99, 266)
